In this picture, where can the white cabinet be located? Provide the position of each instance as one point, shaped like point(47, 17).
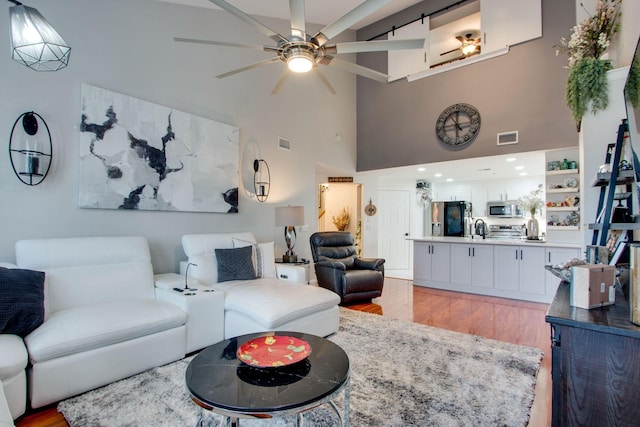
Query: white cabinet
point(555, 256)
point(520, 269)
point(452, 193)
point(404, 62)
point(472, 265)
point(431, 262)
point(508, 22)
point(508, 191)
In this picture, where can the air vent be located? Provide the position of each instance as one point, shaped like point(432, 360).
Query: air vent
point(284, 143)
point(507, 138)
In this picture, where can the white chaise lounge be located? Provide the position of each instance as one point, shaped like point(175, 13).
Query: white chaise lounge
point(265, 303)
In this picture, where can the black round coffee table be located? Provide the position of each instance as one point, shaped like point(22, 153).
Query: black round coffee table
point(219, 382)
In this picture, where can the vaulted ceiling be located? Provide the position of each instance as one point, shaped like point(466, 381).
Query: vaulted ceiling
point(317, 11)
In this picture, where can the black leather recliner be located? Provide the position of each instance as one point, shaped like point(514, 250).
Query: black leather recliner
point(339, 269)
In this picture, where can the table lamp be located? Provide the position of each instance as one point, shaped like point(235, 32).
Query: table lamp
point(288, 217)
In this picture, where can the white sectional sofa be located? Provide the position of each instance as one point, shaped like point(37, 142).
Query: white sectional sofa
point(265, 303)
point(108, 317)
point(13, 377)
point(102, 320)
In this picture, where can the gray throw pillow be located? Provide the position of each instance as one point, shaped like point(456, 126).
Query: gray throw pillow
point(235, 264)
point(21, 301)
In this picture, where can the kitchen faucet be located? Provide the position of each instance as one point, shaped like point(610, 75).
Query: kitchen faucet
point(484, 227)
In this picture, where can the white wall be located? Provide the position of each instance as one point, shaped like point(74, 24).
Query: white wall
point(127, 47)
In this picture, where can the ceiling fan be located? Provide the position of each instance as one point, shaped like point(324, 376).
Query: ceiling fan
point(302, 52)
point(468, 45)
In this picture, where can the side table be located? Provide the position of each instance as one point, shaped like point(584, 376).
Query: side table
point(204, 307)
point(297, 271)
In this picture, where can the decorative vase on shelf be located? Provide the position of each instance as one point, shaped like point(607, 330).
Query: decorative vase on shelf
point(533, 228)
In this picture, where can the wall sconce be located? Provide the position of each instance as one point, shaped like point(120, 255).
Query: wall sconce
point(261, 179)
point(30, 150)
point(34, 42)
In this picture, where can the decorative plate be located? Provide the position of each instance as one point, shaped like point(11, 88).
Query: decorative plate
point(273, 351)
point(571, 182)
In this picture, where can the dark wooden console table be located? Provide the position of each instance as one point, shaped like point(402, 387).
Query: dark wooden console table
point(595, 360)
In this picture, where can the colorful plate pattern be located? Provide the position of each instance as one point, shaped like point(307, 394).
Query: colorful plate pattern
point(273, 351)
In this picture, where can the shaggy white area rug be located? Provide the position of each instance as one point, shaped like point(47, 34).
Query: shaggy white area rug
point(402, 374)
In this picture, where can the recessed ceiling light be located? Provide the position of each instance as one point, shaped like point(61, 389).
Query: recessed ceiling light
point(449, 179)
point(422, 169)
point(519, 168)
point(511, 159)
point(523, 174)
point(438, 175)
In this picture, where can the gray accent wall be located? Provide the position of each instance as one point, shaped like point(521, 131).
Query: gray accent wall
point(523, 91)
point(126, 46)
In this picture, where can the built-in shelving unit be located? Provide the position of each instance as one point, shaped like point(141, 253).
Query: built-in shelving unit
point(562, 200)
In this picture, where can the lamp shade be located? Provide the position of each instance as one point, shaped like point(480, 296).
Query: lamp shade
point(289, 215)
point(34, 42)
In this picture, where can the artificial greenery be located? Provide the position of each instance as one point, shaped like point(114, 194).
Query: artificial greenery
point(632, 88)
point(587, 83)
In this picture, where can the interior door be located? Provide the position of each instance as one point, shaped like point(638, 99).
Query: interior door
point(393, 223)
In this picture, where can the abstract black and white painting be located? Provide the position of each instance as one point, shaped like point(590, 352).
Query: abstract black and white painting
point(138, 155)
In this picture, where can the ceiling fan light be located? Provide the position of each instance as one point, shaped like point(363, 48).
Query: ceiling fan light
point(469, 48)
point(300, 62)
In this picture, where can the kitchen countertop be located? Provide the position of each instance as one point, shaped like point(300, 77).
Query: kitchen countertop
point(492, 241)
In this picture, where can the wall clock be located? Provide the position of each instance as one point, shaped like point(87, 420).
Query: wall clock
point(458, 125)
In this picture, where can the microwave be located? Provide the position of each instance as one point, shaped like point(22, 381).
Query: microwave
point(504, 209)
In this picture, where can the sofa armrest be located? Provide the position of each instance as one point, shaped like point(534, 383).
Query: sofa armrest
point(292, 273)
point(369, 263)
point(5, 415)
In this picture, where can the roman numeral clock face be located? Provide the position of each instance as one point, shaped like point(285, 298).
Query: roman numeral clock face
point(458, 125)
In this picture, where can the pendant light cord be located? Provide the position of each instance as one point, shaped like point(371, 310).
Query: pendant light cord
point(17, 3)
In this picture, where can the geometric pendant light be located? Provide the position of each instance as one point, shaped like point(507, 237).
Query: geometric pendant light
point(34, 42)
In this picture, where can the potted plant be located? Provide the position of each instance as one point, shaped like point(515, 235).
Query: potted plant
point(588, 60)
point(533, 203)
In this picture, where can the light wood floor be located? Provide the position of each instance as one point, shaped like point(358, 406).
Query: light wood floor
point(517, 322)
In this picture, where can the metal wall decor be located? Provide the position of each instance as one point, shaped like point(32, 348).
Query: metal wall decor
point(261, 179)
point(30, 148)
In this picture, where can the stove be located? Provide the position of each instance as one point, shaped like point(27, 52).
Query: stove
point(503, 231)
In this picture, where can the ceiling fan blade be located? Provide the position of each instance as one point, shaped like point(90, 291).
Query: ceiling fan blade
point(448, 61)
point(249, 20)
point(379, 45)
point(227, 44)
point(281, 80)
point(347, 20)
point(324, 79)
point(449, 51)
point(298, 30)
point(248, 67)
point(356, 69)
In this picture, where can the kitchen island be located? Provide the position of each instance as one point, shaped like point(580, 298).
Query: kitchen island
point(507, 268)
